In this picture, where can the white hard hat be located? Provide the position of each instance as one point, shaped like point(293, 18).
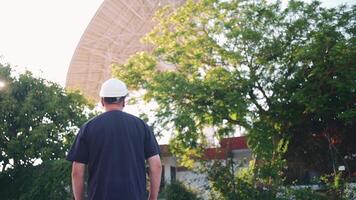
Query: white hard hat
point(113, 88)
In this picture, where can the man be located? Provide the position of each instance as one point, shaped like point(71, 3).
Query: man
point(114, 146)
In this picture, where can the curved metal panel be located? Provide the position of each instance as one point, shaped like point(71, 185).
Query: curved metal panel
point(113, 35)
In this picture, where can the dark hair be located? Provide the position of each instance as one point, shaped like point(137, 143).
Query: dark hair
point(113, 100)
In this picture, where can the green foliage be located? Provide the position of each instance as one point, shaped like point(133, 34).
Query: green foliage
point(350, 192)
point(50, 180)
point(284, 74)
point(177, 191)
point(38, 119)
point(335, 185)
point(227, 185)
point(302, 194)
point(38, 123)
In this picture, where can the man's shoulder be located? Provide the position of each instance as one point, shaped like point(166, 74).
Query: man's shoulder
point(133, 118)
point(116, 114)
point(94, 120)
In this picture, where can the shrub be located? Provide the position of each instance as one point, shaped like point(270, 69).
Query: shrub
point(50, 180)
point(177, 191)
point(300, 194)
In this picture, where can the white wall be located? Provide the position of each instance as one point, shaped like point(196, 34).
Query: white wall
point(168, 162)
point(195, 181)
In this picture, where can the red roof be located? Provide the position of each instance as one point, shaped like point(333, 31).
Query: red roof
point(227, 145)
point(215, 153)
point(234, 143)
point(164, 149)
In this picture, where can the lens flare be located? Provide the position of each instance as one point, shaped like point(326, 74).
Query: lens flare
point(2, 84)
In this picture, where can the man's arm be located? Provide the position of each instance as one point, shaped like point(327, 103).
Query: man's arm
point(78, 170)
point(155, 170)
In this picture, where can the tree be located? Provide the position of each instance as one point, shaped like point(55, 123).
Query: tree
point(284, 74)
point(38, 119)
point(38, 124)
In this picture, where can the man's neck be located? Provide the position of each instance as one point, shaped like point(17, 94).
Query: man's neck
point(113, 107)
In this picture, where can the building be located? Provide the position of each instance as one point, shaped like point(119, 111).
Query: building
point(230, 148)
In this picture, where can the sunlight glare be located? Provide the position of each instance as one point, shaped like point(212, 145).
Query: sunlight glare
point(2, 84)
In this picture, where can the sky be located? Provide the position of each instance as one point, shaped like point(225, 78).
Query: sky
point(41, 35)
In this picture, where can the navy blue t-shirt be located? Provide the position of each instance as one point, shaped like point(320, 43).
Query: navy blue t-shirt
point(115, 146)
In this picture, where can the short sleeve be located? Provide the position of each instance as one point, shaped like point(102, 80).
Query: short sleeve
point(151, 145)
point(79, 150)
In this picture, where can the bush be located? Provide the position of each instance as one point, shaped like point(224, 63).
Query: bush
point(177, 191)
point(226, 184)
point(229, 185)
point(300, 194)
point(50, 180)
point(350, 191)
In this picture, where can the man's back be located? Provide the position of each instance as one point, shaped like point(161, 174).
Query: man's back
point(115, 145)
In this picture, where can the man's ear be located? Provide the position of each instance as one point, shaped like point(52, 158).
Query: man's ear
point(102, 101)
